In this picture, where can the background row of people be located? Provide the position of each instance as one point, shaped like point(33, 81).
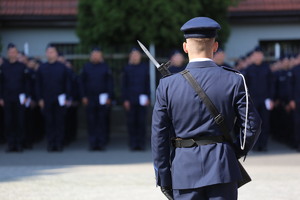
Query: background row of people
point(39, 98)
point(54, 92)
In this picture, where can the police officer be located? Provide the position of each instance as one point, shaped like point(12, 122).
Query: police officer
point(97, 92)
point(71, 115)
point(208, 168)
point(177, 62)
point(13, 96)
point(261, 87)
point(281, 115)
point(136, 93)
point(53, 92)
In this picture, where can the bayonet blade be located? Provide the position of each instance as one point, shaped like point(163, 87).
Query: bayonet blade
point(149, 54)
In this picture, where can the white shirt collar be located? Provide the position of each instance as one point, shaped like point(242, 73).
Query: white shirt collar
point(200, 59)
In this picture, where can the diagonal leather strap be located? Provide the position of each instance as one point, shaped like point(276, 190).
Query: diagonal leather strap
point(218, 117)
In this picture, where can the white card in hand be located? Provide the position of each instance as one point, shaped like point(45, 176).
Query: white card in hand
point(103, 98)
point(268, 104)
point(143, 99)
point(22, 98)
point(62, 99)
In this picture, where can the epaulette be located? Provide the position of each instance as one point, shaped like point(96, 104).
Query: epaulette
point(230, 69)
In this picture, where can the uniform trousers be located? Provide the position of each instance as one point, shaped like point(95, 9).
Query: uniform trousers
point(97, 124)
point(136, 124)
point(54, 123)
point(14, 123)
point(226, 191)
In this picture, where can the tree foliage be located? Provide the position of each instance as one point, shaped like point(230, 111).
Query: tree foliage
point(116, 22)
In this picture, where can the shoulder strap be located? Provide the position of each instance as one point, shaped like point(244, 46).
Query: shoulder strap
point(218, 117)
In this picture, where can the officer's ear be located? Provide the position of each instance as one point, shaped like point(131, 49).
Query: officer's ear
point(215, 46)
point(184, 47)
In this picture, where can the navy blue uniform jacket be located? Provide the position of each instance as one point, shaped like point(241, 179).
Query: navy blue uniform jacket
point(178, 107)
point(14, 81)
point(96, 79)
point(135, 82)
point(260, 83)
point(52, 80)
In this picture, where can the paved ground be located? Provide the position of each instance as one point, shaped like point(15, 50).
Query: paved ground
point(77, 174)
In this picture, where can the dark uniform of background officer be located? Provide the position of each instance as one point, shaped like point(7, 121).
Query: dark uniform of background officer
point(136, 93)
point(206, 171)
point(96, 83)
point(14, 92)
point(53, 90)
point(261, 87)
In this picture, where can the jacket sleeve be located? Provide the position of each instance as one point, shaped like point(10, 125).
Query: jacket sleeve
point(254, 122)
point(160, 139)
point(27, 83)
point(125, 85)
point(39, 85)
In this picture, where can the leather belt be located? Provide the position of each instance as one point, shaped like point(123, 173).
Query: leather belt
point(192, 142)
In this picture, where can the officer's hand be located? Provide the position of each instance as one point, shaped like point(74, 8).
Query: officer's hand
point(126, 105)
point(1, 102)
point(108, 102)
point(168, 192)
point(42, 104)
point(292, 105)
point(272, 105)
point(85, 101)
point(148, 103)
point(24, 102)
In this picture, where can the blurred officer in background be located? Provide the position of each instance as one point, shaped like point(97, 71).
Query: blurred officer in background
point(30, 106)
point(71, 116)
point(295, 102)
point(53, 91)
point(136, 97)
point(261, 87)
point(281, 117)
point(96, 87)
point(14, 93)
point(177, 62)
point(219, 58)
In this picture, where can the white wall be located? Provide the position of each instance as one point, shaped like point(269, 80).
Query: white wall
point(37, 38)
point(244, 38)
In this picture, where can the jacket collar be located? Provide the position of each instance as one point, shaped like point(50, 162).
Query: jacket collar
point(201, 64)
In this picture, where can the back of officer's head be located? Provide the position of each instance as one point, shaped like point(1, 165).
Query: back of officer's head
point(51, 53)
point(200, 34)
point(96, 55)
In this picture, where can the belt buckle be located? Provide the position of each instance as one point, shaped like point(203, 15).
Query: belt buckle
point(177, 142)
